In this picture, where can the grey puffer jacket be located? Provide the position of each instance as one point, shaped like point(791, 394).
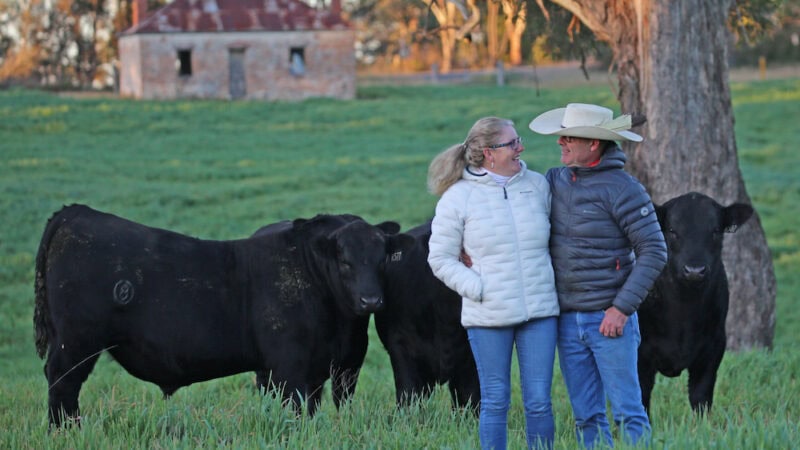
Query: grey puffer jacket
point(606, 243)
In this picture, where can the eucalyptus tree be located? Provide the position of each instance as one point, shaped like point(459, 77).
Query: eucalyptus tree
point(456, 19)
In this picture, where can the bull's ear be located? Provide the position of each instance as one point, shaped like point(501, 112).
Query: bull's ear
point(399, 243)
point(661, 213)
point(389, 227)
point(324, 244)
point(735, 215)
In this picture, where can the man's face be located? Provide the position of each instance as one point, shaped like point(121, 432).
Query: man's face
point(578, 152)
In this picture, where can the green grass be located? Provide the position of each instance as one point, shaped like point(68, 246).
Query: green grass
point(220, 170)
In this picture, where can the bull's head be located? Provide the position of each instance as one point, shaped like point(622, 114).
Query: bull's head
point(359, 252)
point(694, 227)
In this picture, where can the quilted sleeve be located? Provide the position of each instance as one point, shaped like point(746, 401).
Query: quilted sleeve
point(447, 232)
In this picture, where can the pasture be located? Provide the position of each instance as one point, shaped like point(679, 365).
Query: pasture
point(220, 170)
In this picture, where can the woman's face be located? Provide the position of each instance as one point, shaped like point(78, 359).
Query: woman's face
point(503, 158)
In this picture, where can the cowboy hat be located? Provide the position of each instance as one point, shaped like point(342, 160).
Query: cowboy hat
point(585, 121)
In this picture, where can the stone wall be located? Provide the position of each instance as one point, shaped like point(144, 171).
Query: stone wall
point(149, 70)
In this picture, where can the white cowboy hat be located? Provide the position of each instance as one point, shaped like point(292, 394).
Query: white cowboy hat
point(585, 121)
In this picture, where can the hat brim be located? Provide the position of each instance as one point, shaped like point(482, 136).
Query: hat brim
point(549, 123)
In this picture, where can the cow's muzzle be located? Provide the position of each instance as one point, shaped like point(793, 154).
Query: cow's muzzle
point(694, 273)
point(371, 304)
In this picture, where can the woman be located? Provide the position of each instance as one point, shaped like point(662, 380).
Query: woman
point(496, 211)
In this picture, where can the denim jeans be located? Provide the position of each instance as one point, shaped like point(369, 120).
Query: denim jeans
point(535, 341)
point(595, 367)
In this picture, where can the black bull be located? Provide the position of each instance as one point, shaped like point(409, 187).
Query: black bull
point(175, 310)
point(683, 319)
point(420, 327)
point(351, 339)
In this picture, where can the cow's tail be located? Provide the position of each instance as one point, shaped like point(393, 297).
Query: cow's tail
point(41, 313)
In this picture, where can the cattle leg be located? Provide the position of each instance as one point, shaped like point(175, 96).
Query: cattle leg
point(65, 376)
point(409, 379)
point(289, 392)
point(343, 384)
point(647, 379)
point(465, 392)
point(352, 341)
point(702, 378)
point(409, 393)
point(314, 399)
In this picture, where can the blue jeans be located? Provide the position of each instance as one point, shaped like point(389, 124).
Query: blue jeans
point(595, 366)
point(536, 346)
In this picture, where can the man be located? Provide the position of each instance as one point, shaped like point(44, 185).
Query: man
point(607, 249)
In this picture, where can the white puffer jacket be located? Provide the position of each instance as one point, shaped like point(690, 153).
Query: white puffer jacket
point(506, 233)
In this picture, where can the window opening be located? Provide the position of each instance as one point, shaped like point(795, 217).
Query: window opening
point(297, 61)
point(184, 63)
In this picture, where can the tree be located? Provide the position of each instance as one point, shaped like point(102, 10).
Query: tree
point(672, 66)
point(492, 39)
point(19, 55)
point(91, 16)
point(63, 41)
point(516, 14)
point(456, 19)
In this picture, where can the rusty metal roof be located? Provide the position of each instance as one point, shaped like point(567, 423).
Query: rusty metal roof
point(238, 15)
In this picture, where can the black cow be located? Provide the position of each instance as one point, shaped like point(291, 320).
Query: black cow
point(351, 338)
point(682, 321)
point(420, 327)
point(176, 310)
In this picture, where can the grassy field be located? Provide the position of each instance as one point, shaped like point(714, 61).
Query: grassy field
point(220, 170)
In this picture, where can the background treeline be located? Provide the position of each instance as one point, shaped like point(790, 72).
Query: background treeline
point(72, 43)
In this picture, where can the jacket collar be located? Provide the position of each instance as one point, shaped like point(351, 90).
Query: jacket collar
point(478, 174)
point(613, 158)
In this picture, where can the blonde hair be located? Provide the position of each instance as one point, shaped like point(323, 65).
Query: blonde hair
point(448, 166)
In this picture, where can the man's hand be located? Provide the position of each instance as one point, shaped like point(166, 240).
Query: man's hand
point(465, 258)
point(613, 323)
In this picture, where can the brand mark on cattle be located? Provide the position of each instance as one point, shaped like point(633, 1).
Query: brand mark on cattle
point(123, 292)
point(396, 256)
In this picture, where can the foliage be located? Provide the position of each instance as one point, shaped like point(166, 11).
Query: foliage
point(62, 43)
point(770, 32)
point(7, 8)
point(561, 36)
point(749, 20)
point(220, 170)
point(390, 32)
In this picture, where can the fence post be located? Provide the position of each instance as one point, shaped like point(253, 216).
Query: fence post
point(501, 76)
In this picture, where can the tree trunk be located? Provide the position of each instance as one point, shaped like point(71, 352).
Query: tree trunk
point(492, 10)
point(515, 24)
point(672, 67)
point(445, 14)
